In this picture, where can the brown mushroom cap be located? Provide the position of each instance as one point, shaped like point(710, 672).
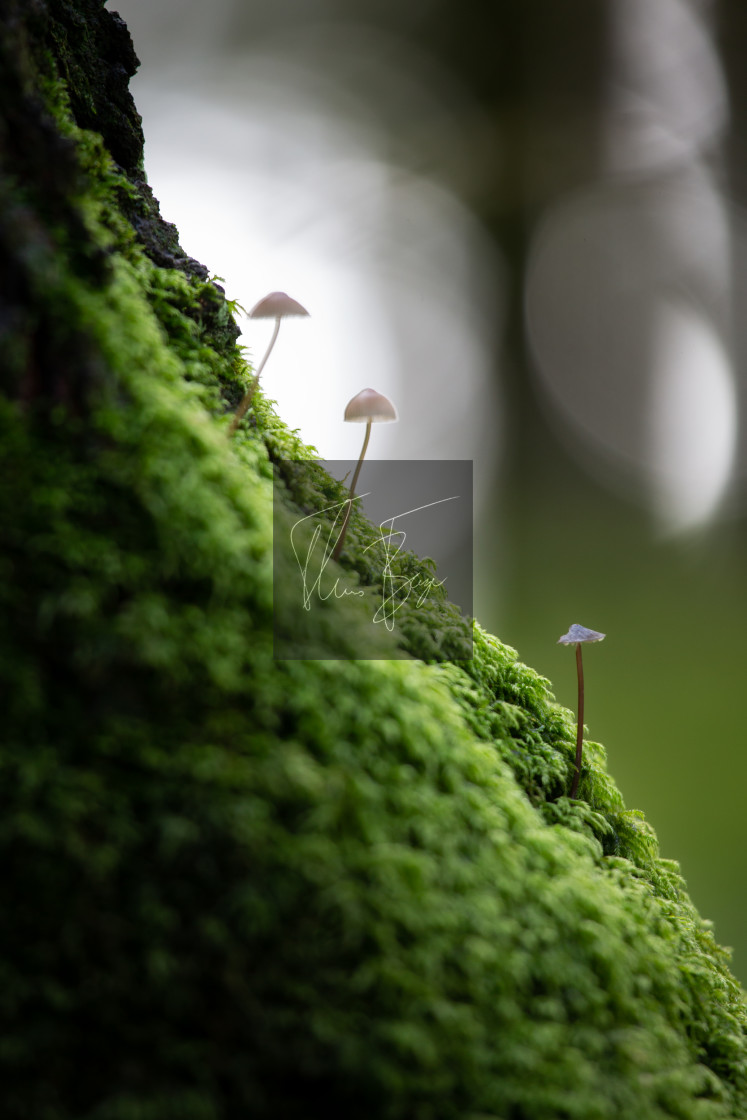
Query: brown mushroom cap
point(580, 634)
point(276, 305)
point(368, 405)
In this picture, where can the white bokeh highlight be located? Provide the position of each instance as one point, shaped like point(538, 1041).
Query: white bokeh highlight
point(629, 284)
point(692, 419)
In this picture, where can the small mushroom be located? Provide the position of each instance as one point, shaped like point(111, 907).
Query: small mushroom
point(367, 407)
point(577, 635)
point(277, 306)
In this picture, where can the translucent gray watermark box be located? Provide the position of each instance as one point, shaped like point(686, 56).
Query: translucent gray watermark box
point(405, 567)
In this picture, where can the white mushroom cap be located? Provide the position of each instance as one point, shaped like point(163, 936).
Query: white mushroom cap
point(276, 305)
point(370, 406)
point(580, 634)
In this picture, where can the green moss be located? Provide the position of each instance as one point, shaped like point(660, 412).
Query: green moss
point(237, 886)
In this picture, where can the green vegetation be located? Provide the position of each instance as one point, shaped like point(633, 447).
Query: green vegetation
point(235, 886)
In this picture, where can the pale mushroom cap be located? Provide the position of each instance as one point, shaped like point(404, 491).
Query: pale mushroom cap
point(580, 634)
point(368, 405)
point(276, 305)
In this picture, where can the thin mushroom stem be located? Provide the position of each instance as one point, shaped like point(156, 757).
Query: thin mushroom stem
point(247, 399)
point(351, 494)
point(580, 730)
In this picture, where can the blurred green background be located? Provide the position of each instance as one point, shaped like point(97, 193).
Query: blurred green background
point(523, 221)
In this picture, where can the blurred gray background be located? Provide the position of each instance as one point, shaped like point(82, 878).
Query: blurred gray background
point(522, 222)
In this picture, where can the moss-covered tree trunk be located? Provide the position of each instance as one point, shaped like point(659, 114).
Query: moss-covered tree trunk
point(234, 886)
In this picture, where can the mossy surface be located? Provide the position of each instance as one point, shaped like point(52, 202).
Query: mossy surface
point(241, 887)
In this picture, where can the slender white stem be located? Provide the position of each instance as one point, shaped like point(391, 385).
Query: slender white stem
point(351, 494)
point(247, 399)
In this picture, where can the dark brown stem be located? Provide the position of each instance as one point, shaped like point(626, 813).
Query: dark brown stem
point(580, 731)
point(247, 399)
point(351, 494)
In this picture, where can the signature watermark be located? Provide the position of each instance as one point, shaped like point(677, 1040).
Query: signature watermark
point(415, 509)
point(315, 558)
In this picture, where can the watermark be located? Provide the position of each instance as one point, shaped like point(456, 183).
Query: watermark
point(406, 560)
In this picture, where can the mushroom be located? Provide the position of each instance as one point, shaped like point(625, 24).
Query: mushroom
point(577, 635)
point(277, 306)
point(367, 407)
